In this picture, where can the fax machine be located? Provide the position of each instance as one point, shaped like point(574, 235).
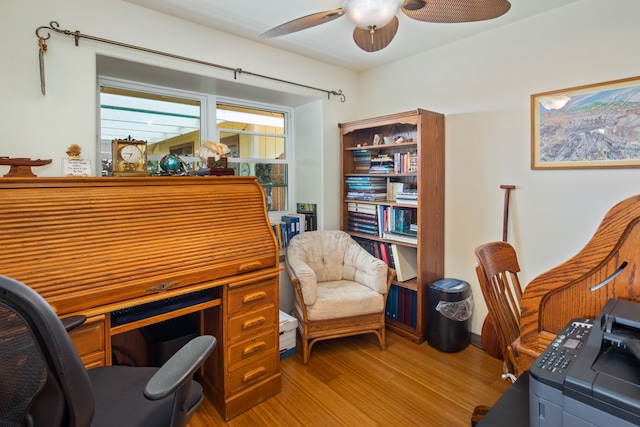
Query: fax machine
point(590, 374)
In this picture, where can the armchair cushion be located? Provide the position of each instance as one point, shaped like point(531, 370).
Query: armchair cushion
point(344, 298)
point(338, 278)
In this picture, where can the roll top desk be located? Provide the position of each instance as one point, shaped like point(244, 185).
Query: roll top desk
point(101, 247)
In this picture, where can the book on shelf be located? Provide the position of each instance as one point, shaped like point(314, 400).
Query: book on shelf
point(293, 224)
point(393, 188)
point(402, 305)
point(405, 162)
point(405, 259)
point(408, 196)
point(361, 227)
point(361, 207)
point(401, 237)
point(362, 160)
point(368, 196)
point(310, 215)
point(381, 164)
point(411, 202)
point(366, 218)
point(370, 246)
point(278, 231)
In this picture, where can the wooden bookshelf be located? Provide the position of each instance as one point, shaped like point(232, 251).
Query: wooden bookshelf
point(422, 141)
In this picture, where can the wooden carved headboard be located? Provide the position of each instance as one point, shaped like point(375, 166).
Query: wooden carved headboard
point(610, 259)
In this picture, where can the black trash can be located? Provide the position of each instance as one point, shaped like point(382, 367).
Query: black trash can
point(164, 339)
point(449, 314)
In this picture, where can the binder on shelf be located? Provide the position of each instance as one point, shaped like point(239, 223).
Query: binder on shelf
point(292, 223)
point(405, 259)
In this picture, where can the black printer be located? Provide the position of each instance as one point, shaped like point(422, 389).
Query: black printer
point(590, 374)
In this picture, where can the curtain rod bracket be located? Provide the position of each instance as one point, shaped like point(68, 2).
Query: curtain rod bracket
point(77, 35)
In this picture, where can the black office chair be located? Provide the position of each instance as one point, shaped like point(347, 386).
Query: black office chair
point(44, 383)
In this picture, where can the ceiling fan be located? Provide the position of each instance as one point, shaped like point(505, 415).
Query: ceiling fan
point(377, 23)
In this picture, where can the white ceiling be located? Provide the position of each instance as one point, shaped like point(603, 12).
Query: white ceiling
point(332, 42)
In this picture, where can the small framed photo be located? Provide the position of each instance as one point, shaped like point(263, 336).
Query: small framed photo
point(213, 163)
point(592, 126)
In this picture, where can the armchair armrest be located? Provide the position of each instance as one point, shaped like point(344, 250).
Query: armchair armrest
point(178, 371)
point(306, 276)
point(369, 270)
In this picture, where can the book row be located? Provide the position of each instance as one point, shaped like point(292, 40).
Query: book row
point(402, 305)
point(387, 222)
point(366, 161)
point(288, 227)
point(372, 189)
point(309, 210)
point(403, 259)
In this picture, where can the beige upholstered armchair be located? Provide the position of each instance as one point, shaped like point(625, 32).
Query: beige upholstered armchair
point(341, 289)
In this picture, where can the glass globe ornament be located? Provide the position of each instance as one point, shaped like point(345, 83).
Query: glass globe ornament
point(171, 164)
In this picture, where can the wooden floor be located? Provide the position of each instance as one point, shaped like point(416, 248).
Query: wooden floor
point(350, 382)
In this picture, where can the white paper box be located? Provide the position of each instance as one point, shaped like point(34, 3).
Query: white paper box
point(288, 325)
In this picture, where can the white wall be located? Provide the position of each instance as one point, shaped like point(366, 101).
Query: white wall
point(40, 126)
point(483, 86)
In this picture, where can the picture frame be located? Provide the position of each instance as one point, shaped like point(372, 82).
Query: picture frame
point(220, 163)
point(590, 126)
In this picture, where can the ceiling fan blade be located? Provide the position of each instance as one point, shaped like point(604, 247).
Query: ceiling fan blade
point(303, 23)
point(378, 39)
point(451, 11)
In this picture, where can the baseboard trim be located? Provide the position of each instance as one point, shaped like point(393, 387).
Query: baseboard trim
point(476, 339)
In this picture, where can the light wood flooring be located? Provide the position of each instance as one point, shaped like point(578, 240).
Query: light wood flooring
point(350, 382)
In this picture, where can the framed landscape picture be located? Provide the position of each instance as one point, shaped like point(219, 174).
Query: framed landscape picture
point(593, 126)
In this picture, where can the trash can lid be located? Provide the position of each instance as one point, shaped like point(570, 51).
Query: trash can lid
point(450, 285)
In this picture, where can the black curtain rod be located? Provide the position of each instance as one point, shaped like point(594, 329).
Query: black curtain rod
point(54, 26)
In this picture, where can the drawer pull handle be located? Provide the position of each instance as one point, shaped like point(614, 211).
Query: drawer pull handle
point(255, 374)
point(251, 323)
point(254, 297)
point(253, 348)
point(250, 266)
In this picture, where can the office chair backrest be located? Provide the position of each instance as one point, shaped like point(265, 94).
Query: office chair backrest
point(43, 380)
point(497, 272)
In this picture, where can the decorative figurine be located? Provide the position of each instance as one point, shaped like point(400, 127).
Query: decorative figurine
point(74, 151)
point(211, 149)
point(21, 166)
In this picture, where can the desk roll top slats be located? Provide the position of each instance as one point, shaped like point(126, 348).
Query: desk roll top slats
point(89, 245)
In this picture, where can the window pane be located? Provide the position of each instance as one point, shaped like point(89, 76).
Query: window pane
point(234, 117)
point(254, 146)
point(169, 125)
point(257, 139)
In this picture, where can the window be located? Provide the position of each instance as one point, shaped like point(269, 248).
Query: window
point(175, 122)
point(257, 139)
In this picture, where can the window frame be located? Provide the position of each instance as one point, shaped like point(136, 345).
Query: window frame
point(208, 123)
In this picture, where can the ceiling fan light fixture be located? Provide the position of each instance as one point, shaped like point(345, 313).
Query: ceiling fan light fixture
point(371, 13)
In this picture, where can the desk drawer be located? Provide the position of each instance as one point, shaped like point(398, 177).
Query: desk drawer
point(89, 339)
point(246, 325)
point(250, 350)
point(251, 297)
point(252, 373)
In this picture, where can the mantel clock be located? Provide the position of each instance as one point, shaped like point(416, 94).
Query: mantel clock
point(129, 157)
